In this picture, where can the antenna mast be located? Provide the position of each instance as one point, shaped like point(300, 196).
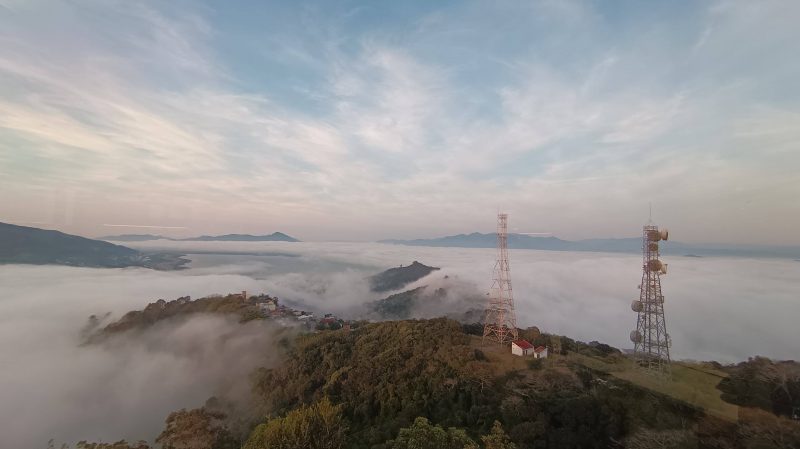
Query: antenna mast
point(652, 343)
point(501, 321)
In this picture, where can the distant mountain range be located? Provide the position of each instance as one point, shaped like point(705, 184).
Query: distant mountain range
point(274, 237)
point(26, 245)
point(132, 238)
point(622, 245)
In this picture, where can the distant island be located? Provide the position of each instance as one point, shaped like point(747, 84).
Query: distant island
point(399, 277)
point(274, 237)
point(611, 245)
point(27, 245)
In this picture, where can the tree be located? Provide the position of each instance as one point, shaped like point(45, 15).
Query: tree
point(423, 435)
point(196, 429)
point(317, 426)
point(497, 438)
point(759, 429)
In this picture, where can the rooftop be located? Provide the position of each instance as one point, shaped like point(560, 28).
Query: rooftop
point(523, 344)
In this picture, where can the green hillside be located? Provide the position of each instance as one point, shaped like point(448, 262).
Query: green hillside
point(430, 383)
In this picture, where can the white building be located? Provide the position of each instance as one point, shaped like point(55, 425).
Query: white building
point(540, 352)
point(521, 347)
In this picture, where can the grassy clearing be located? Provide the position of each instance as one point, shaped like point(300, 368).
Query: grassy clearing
point(501, 357)
point(692, 383)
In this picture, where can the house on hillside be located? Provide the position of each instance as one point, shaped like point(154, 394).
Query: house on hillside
point(521, 347)
point(540, 352)
point(267, 307)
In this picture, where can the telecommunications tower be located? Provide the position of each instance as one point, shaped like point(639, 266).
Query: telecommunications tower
point(652, 342)
point(501, 322)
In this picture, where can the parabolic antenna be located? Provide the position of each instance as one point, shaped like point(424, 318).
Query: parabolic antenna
point(655, 236)
point(636, 337)
point(655, 265)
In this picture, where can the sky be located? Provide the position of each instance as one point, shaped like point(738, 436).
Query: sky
point(341, 120)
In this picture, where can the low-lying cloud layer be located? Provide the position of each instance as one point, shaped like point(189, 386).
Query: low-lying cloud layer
point(717, 308)
point(124, 388)
point(725, 309)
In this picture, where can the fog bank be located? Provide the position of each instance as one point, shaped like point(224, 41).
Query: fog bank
point(124, 388)
point(725, 309)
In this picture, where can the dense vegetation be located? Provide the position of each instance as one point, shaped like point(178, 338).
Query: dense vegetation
point(760, 382)
point(399, 305)
point(163, 310)
point(387, 374)
point(430, 384)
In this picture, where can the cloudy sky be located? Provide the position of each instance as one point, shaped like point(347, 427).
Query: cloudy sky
point(364, 120)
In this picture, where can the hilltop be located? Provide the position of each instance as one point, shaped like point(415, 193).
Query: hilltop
point(399, 277)
point(27, 245)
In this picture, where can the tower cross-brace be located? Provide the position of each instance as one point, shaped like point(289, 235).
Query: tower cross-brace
point(500, 324)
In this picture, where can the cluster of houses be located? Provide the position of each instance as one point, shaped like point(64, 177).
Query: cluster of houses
point(271, 308)
point(524, 348)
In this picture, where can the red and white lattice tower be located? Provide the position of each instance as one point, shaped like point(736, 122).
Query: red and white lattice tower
point(652, 343)
point(500, 324)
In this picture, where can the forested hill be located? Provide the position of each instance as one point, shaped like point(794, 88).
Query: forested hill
point(431, 384)
point(27, 245)
point(399, 277)
point(180, 308)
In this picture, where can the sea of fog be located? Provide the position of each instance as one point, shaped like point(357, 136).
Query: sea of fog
point(724, 309)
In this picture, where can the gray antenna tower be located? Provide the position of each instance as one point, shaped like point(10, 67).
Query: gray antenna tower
point(652, 342)
point(501, 320)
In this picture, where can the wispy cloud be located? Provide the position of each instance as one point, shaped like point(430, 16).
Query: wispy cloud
point(184, 114)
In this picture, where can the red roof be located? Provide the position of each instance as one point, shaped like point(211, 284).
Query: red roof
point(539, 349)
point(523, 344)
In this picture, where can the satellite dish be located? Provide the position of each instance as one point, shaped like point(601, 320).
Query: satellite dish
point(655, 236)
point(652, 246)
point(655, 265)
point(664, 269)
point(636, 337)
point(636, 306)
